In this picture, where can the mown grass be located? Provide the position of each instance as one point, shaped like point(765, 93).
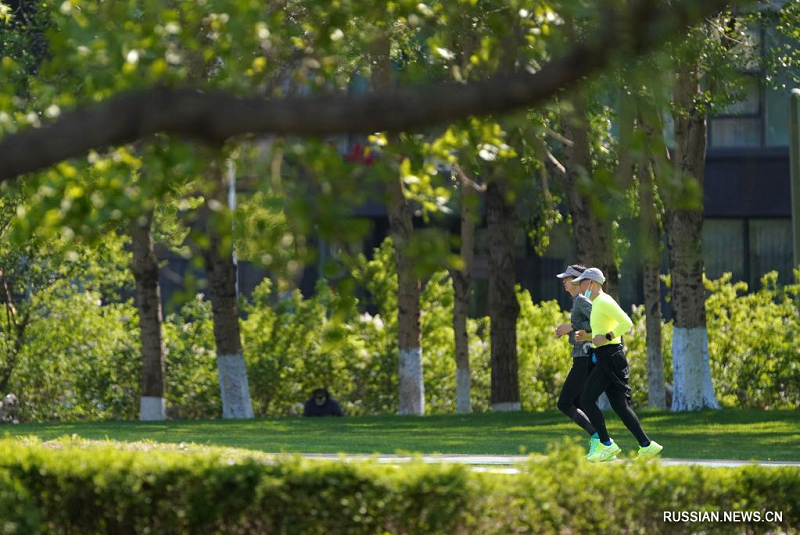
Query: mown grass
point(726, 434)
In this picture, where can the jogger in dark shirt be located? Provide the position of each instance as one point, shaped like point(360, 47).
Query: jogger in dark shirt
point(569, 399)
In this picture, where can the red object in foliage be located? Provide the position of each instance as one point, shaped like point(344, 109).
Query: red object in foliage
point(359, 155)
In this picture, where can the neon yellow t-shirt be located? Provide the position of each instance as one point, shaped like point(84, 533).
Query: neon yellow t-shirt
point(607, 316)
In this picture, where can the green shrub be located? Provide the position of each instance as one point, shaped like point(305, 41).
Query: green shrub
point(296, 345)
point(752, 341)
point(80, 361)
point(192, 383)
point(68, 340)
point(18, 512)
point(65, 488)
point(544, 361)
point(293, 345)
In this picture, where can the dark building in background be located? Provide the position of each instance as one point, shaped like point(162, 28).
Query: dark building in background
point(747, 184)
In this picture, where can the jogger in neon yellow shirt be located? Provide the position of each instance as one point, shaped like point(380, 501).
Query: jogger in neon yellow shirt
point(610, 373)
point(608, 317)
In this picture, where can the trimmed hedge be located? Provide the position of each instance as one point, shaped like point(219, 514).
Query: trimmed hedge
point(70, 489)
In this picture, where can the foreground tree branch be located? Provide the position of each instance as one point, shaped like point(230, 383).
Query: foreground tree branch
point(215, 116)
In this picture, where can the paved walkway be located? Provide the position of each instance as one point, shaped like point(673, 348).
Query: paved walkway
point(506, 463)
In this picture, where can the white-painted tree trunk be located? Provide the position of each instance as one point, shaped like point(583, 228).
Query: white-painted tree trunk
point(692, 386)
point(514, 406)
point(462, 282)
point(152, 408)
point(693, 389)
point(222, 274)
point(412, 386)
point(463, 394)
point(144, 266)
point(233, 387)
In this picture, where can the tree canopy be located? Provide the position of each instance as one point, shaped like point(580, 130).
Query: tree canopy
point(115, 73)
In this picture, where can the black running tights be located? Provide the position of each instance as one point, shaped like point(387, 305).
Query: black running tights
point(569, 399)
point(599, 381)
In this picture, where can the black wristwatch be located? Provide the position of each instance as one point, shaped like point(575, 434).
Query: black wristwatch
point(609, 336)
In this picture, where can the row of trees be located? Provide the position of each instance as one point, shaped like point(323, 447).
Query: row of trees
point(127, 74)
point(80, 355)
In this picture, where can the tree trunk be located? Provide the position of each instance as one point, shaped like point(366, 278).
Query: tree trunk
point(501, 226)
point(651, 267)
point(693, 388)
point(14, 328)
point(144, 265)
point(503, 305)
point(221, 270)
point(401, 228)
point(462, 281)
point(592, 234)
point(412, 387)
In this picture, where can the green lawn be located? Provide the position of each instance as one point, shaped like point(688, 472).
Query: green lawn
point(727, 434)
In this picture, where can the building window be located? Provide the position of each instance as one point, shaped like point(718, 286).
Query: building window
point(748, 248)
point(770, 249)
point(723, 248)
point(735, 132)
point(776, 118)
point(740, 123)
point(761, 118)
point(777, 91)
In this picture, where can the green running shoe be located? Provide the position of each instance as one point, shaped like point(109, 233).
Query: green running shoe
point(604, 453)
point(593, 443)
point(653, 449)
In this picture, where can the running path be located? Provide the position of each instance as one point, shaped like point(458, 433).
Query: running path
point(506, 463)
